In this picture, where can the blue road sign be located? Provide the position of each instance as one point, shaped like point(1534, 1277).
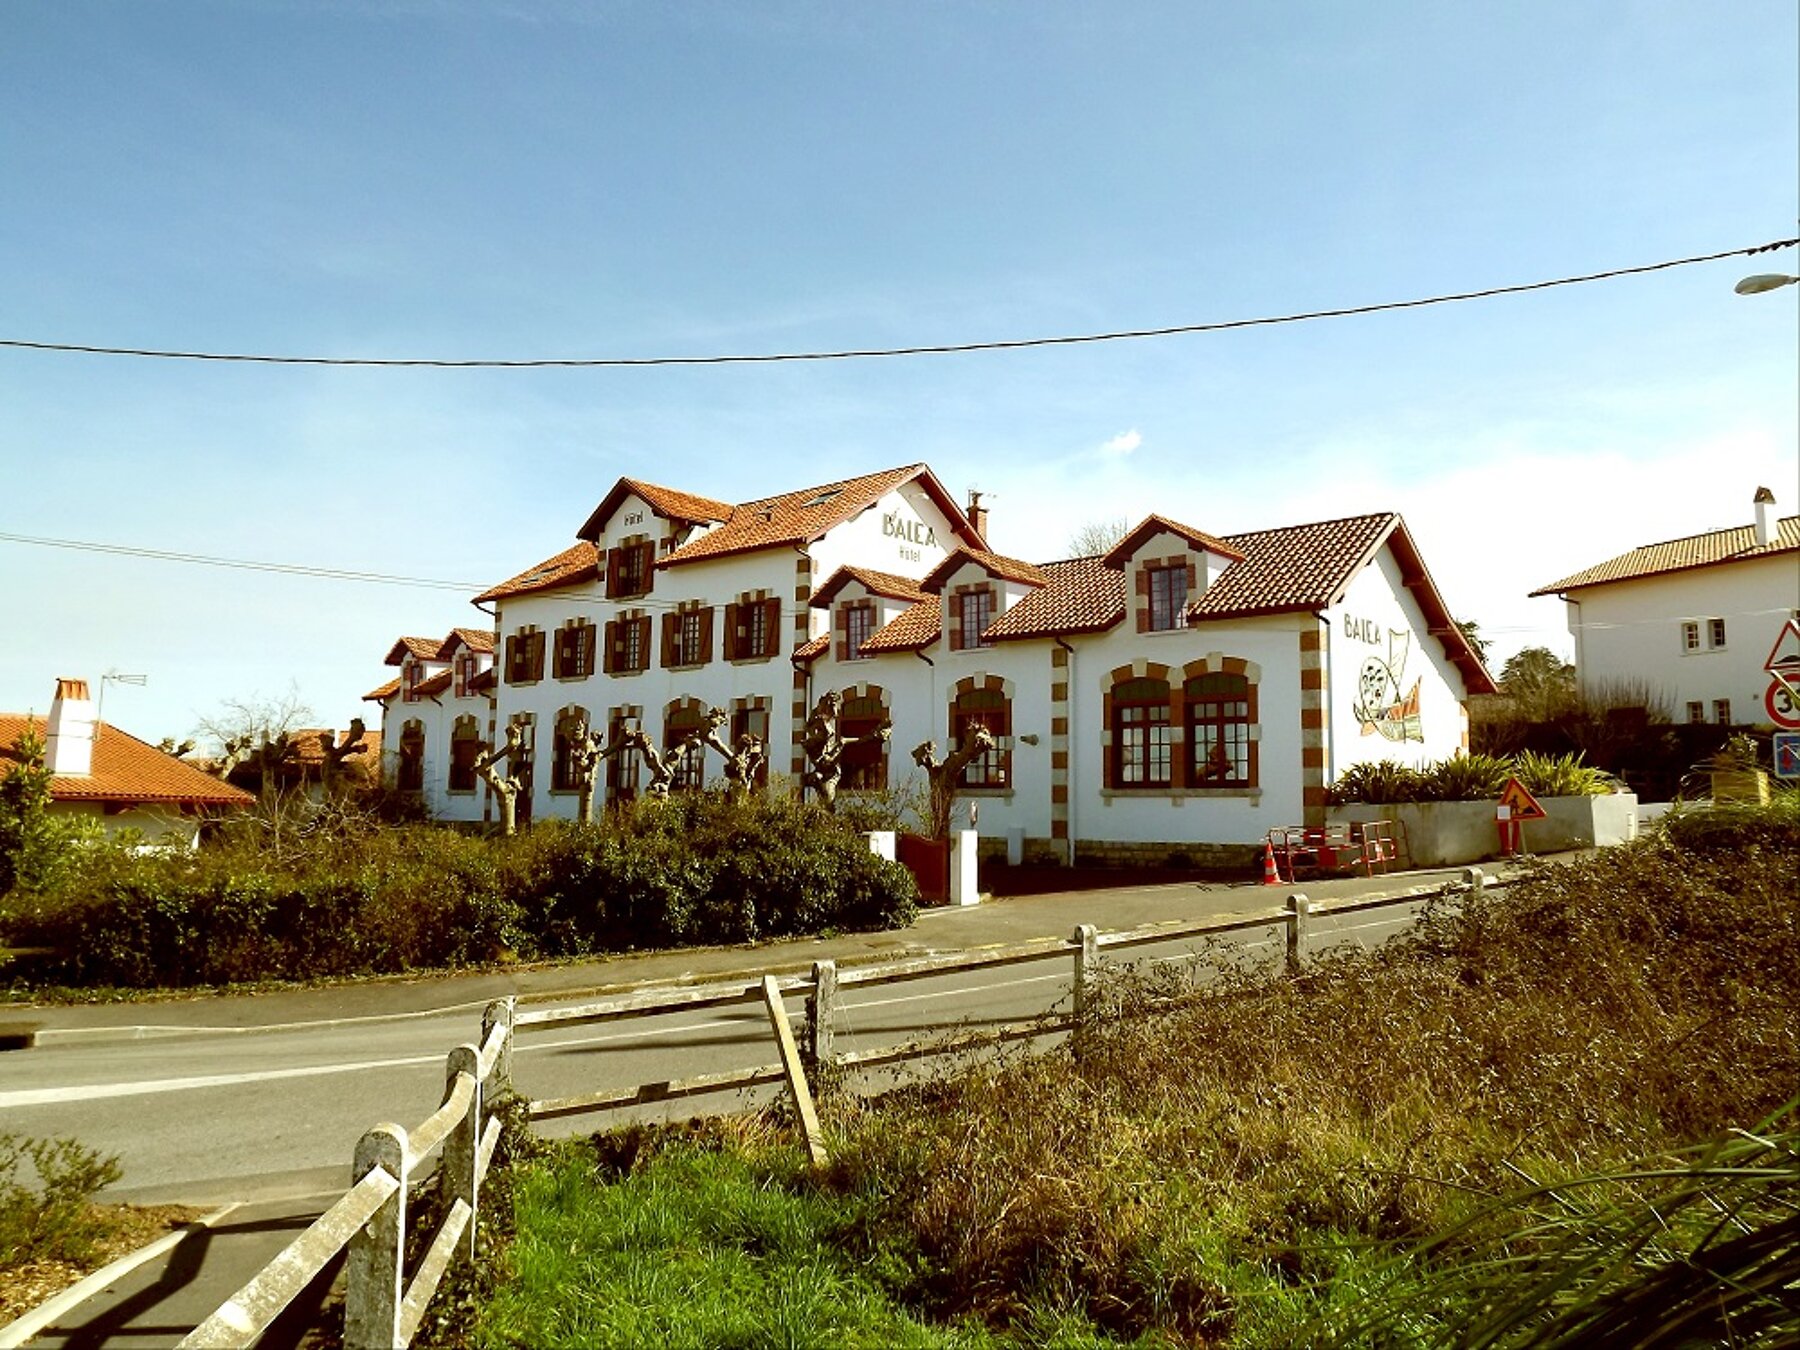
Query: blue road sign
point(1787, 754)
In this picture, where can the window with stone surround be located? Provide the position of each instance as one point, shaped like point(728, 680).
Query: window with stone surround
point(411, 773)
point(688, 764)
point(465, 749)
point(571, 727)
point(1142, 748)
point(865, 764)
point(992, 709)
point(752, 627)
point(622, 768)
point(974, 612)
point(1220, 714)
point(858, 628)
point(525, 656)
point(1168, 596)
point(574, 650)
point(628, 569)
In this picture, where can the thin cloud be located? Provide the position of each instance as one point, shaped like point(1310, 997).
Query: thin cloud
point(1122, 444)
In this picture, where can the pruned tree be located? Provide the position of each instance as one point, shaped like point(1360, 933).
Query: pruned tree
point(825, 744)
point(945, 775)
point(587, 752)
point(504, 786)
point(337, 752)
point(253, 737)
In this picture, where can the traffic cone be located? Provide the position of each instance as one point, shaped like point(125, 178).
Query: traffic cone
point(1271, 874)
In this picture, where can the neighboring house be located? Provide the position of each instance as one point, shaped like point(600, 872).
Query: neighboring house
point(304, 765)
point(1183, 693)
point(101, 772)
point(1693, 622)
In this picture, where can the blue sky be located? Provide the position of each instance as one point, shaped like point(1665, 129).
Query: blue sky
point(473, 178)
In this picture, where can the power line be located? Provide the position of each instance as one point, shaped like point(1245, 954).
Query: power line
point(856, 353)
point(244, 564)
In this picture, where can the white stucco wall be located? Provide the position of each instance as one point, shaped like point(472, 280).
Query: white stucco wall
point(158, 825)
point(1630, 632)
point(1377, 649)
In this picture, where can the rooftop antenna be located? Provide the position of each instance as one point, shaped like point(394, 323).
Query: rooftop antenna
point(112, 677)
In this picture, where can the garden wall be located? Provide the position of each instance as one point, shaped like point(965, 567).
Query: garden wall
point(1448, 834)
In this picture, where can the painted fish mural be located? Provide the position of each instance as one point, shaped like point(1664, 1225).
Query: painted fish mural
point(1381, 707)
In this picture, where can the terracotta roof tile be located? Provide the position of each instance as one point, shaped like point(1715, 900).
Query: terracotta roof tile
point(381, 692)
point(911, 630)
point(435, 685)
point(1292, 568)
point(484, 680)
point(1678, 555)
point(579, 562)
point(475, 639)
point(998, 564)
point(1153, 524)
point(426, 649)
point(888, 584)
point(813, 648)
point(802, 516)
point(674, 504)
point(306, 747)
point(1079, 595)
point(126, 770)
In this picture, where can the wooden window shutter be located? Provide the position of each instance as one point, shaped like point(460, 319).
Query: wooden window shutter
point(584, 660)
point(671, 630)
point(706, 630)
point(612, 645)
point(772, 627)
point(733, 635)
point(615, 561)
point(537, 656)
point(512, 660)
point(643, 641)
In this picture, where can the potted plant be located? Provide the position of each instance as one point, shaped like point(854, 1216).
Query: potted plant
point(1735, 775)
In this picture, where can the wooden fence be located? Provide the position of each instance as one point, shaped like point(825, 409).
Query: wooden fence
point(383, 1309)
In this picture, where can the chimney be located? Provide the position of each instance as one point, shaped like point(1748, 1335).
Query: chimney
point(69, 746)
point(977, 514)
point(1765, 516)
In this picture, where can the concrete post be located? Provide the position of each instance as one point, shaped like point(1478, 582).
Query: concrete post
point(500, 1013)
point(373, 1274)
point(821, 1013)
point(1087, 952)
point(964, 889)
point(1474, 879)
point(456, 1171)
point(1299, 910)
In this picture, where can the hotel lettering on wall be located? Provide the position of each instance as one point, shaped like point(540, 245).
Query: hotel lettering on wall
point(913, 536)
point(1381, 708)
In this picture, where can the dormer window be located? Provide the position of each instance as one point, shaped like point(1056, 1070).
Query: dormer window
point(411, 672)
point(975, 610)
point(628, 569)
point(859, 627)
point(465, 671)
point(1168, 596)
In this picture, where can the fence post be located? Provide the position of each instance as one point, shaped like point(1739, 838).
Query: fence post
point(821, 1013)
point(1299, 912)
point(1087, 952)
point(1475, 879)
point(456, 1173)
point(500, 1013)
point(373, 1270)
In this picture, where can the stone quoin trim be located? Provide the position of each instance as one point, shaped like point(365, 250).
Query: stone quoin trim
point(1141, 571)
point(1312, 722)
point(1059, 749)
point(803, 567)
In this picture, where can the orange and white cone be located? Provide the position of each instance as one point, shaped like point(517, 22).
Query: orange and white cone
point(1271, 874)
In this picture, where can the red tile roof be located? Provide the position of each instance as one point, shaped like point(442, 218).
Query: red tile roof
point(669, 503)
point(1296, 567)
point(578, 562)
point(381, 692)
point(484, 680)
point(997, 564)
point(126, 771)
point(306, 747)
point(426, 649)
point(435, 685)
point(887, 584)
point(1679, 555)
point(909, 631)
point(475, 639)
point(801, 517)
point(813, 648)
point(1080, 595)
point(1122, 551)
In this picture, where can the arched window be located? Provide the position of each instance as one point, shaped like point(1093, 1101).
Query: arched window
point(751, 718)
point(622, 768)
point(865, 763)
point(992, 709)
point(689, 765)
point(411, 776)
point(465, 749)
point(571, 724)
point(1219, 717)
point(1140, 733)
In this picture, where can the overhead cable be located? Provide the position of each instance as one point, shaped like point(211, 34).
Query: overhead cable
point(857, 353)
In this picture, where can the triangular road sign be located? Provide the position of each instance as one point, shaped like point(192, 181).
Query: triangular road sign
point(1524, 805)
point(1784, 658)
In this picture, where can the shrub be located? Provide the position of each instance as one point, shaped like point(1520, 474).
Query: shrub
point(53, 1219)
point(1465, 778)
point(1559, 775)
point(1379, 782)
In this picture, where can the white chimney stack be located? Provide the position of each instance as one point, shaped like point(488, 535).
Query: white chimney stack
point(1765, 516)
point(69, 746)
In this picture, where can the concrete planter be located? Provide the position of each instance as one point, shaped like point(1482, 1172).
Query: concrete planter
point(1449, 834)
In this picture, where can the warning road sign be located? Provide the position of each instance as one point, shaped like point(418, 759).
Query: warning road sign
point(1784, 662)
point(1522, 804)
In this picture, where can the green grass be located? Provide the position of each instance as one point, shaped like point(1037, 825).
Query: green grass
point(1558, 1105)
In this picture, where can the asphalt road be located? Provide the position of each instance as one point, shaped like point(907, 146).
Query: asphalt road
point(207, 1115)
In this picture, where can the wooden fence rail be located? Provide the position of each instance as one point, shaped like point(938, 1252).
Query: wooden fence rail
point(384, 1308)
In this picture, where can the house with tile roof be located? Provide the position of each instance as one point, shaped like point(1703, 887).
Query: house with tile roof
point(107, 775)
point(1181, 694)
point(1694, 621)
point(437, 715)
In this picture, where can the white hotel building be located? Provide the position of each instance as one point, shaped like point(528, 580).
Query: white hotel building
point(1179, 695)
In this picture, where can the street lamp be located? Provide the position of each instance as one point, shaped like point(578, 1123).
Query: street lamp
point(1764, 281)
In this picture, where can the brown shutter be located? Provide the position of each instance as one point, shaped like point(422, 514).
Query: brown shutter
point(671, 627)
point(734, 635)
point(537, 655)
point(643, 641)
point(648, 551)
point(612, 645)
point(614, 562)
point(706, 627)
point(772, 627)
point(512, 660)
point(584, 661)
